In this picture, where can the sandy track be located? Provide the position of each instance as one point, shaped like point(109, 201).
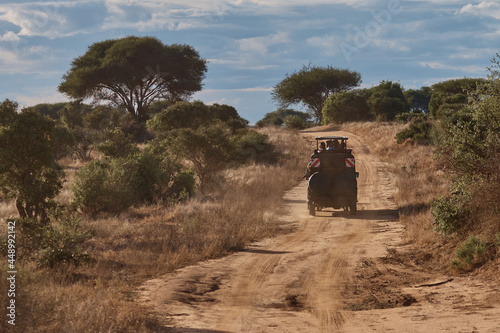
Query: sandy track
point(318, 278)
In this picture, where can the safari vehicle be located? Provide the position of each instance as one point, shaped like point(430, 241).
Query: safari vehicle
point(332, 176)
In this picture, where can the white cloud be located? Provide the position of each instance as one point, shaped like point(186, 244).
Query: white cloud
point(33, 60)
point(159, 15)
point(473, 69)
point(471, 53)
point(261, 45)
point(59, 18)
point(396, 45)
point(250, 89)
point(262, 67)
point(433, 65)
point(9, 36)
point(34, 20)
point(288, 3)
point(40, 96)
point(223, 6)
point(54, 19)
point(241, 64)
point(224, 62)
point(11, 63)
point(195, 14)
point(328, 44)
point(483, 9)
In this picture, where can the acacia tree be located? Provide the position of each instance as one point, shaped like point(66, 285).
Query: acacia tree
point(312, 85)
point(133, 72)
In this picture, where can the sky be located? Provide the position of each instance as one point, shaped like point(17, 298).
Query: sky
point(251, 45)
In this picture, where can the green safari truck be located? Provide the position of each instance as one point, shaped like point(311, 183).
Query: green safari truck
point(332, 176)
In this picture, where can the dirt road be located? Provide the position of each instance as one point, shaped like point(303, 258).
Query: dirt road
point(334, 273)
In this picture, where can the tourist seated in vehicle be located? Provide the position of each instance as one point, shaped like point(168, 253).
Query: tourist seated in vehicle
point(321, 148)
point(332, 145)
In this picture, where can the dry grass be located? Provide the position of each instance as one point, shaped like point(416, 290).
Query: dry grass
point(148, 241)
point(419, 179)
point(7, 209)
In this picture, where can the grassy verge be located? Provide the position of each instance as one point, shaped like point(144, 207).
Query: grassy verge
point(147, 241)
point(419, 179)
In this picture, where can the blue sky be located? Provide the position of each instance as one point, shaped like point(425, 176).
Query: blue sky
point(252, 45)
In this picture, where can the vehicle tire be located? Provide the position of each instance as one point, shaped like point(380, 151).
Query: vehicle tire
point(311, 207)
point(352, 207)
point(319, 183)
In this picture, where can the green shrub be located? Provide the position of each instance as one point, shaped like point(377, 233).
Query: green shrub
point(28, 170)
point(105, 186)
point(91, 191)
point(195, 115)
point(117, 144)
point(53, 244)
point(252, 146)
point(277, 118)
point(407, 117)
point(183, 186)
point(497, 240)
point(470, 253)
point(346, 106)
point(148, 177)
point(270, 120)
point(447, 215)
point(419, 130)
point(116, 184)
point(450, 213)
point(295, 122)
point(387, 100)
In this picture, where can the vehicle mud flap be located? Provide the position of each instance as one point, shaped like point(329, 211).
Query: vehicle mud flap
point(311, 208)
point(319, 183)
point(352, 206)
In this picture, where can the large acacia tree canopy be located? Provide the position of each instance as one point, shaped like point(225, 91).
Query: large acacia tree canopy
point(312, 85)
point(133, 72)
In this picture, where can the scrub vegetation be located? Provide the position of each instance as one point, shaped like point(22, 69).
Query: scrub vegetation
point(105, 197)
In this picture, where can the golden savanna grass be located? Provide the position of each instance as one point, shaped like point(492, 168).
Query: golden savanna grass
point(148, 241)
point(419, 179)
point(245, 205)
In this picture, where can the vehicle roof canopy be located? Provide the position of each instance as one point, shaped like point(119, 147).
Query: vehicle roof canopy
point(331, 138)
